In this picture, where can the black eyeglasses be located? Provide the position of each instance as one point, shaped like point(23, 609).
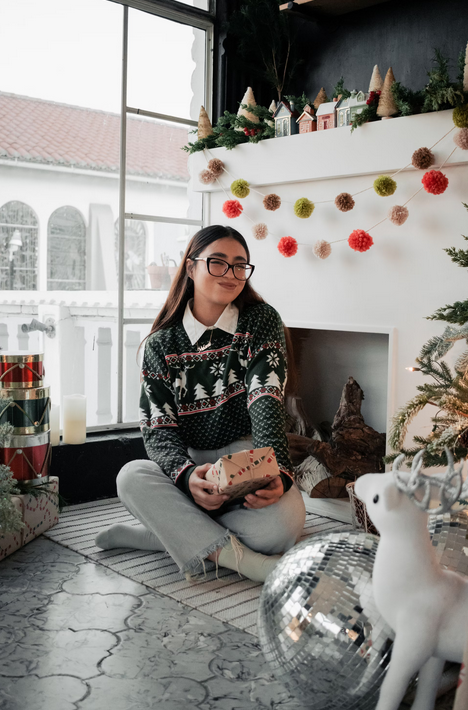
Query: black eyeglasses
point(219, 267)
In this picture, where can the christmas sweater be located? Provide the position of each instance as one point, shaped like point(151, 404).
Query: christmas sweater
point(206, 399)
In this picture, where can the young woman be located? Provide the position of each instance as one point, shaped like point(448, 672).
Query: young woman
point(214, 373)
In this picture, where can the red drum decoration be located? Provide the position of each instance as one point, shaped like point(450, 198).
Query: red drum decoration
point(28, 457)
point(27, 410)
point(20, 370)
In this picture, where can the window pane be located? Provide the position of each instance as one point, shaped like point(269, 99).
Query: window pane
point(133, 337)
point(166, 66)
point(59, 143)
point(151, 271)
point(201, 4)
point(157, 170)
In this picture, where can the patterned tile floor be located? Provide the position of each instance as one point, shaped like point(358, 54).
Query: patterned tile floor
point(65, 646)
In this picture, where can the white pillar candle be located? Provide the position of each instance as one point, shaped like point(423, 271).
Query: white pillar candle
point(74, 419)
point(55, 425)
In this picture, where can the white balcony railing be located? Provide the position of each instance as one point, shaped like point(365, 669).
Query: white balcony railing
point(82, 356)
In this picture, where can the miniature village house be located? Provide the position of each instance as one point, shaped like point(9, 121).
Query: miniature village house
point(349, 107)
point(285, 119)
point(326, 114)
point(307, 121)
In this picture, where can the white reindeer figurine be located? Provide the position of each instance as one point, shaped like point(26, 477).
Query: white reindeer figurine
point(426, 606)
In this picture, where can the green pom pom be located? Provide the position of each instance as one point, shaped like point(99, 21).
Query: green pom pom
point(240, 188)
point(460, 116)
point(384, 186)
point(303, 207)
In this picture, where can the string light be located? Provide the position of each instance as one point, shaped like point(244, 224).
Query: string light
point(413, 369)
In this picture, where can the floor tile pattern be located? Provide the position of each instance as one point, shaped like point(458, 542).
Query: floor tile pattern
point(228, 598)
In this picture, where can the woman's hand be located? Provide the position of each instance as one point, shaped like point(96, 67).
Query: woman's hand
point(203, 492)
point(265, 496)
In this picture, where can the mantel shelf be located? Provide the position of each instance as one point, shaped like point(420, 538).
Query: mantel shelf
point(380, 147)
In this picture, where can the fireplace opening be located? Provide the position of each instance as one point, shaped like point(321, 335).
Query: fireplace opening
point(325, 359)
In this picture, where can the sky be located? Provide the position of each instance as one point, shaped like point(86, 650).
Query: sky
point(70, 51)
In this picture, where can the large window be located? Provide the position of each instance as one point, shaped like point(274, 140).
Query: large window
point(97, 208)
point(66, 251)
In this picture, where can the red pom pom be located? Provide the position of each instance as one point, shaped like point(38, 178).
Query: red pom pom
point(246, 132)
point(232, 208)
point(287, 246)
point(359, 240)
point(435, 182)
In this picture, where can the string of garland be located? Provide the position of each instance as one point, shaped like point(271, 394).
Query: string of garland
point(433, 181)
point(440, 93)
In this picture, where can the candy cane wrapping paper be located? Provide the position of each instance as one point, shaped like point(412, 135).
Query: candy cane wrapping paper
point(244, 472)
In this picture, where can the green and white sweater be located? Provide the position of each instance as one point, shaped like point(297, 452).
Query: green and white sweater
point(208, 399)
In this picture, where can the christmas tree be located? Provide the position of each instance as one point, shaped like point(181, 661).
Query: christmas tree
point(376, 81)
point(10, 517)
point(387, 106)
point(321, 98)
point(448, 390)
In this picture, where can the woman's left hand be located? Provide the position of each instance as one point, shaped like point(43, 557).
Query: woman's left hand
point(265, 496)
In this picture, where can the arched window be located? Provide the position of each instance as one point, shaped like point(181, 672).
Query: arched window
point(66, 251)
point(19, 231)
point(135, 253)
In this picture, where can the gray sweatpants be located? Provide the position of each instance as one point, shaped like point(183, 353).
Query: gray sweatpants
point(187, 532)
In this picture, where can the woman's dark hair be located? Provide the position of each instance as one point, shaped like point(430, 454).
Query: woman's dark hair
point(182, 290)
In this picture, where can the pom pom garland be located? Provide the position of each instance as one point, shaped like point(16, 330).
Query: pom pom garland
point(240, 188)
point(460, 116)
point(260, 231)
point(232, 208)
point(359, 240)
point(216, 166)
point(287, 246)
point(322, 249)
point(398, 214)
point(435, 182)
point(272, 202)
point(461, 138)
point(207, 177)
point(422, 159)
point(344, 201)
point(384, 185)
point(303, 208)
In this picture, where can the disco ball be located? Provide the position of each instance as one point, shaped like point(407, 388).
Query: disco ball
point(318, 626)
point(449, 533)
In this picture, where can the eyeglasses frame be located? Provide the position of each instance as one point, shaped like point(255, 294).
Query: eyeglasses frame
point(229, 266)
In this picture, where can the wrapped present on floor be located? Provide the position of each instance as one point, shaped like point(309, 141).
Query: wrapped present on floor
point(39, 513)
point(244, 472)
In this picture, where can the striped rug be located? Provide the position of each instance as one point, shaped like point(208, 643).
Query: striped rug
point(228, 598)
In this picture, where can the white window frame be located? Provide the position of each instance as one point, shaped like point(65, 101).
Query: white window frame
point(201, 19)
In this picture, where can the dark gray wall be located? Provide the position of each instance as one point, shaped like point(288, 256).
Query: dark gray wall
point(400, 34)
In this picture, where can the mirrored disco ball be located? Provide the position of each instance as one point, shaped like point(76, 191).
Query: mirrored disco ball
point(449, 533)
point(318, 625)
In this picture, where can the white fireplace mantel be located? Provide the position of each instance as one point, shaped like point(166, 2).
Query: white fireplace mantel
point(391, 288)
point(379, 147)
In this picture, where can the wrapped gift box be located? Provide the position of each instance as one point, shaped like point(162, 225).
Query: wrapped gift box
point(38, 514)
point(244, 472)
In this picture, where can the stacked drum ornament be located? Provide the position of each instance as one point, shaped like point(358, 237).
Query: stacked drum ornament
point(24, 417)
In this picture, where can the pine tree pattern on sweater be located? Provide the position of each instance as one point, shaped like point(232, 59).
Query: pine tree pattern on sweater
point(208, 399)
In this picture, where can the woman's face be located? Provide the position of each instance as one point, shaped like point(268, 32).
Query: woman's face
point(220, 290)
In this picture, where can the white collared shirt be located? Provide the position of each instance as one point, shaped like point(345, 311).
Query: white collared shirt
point(227, 321)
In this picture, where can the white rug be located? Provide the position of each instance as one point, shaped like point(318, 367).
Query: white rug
point(228, 598)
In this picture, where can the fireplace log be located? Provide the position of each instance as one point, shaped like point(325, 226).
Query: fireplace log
point(353, 449)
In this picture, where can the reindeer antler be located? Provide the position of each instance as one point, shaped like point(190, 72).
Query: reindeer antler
point(450, 490)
